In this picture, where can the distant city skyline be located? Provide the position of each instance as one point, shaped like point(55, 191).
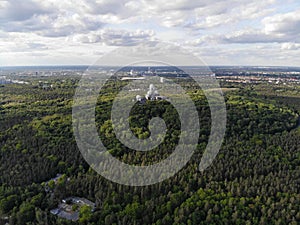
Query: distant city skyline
point(220, 32)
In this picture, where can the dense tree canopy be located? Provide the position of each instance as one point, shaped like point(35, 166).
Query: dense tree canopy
point(255, 178)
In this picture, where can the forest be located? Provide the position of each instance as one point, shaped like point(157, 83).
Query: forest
point(255, 178)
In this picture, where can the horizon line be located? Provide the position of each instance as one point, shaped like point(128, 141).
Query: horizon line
point(83, 65)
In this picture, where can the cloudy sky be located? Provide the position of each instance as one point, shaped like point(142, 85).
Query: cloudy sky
point(220, 32)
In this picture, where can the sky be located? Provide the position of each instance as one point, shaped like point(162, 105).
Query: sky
point(220, 32)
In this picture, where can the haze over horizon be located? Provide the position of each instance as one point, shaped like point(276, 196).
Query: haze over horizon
point(233, 33)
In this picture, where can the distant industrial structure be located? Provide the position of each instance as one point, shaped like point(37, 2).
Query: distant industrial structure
point(69, 208)
point(152, 95)
point(4, 80)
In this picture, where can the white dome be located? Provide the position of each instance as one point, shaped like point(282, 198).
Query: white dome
point(138, 98)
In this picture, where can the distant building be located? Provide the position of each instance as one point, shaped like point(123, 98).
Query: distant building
point(133, 78)
point(151, 95)
point(149, 72)
point(140, 99)
point(4, 80)
point(65, 209)
point(79, 201)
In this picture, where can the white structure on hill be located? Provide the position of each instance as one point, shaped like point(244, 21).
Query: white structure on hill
point(151, 95)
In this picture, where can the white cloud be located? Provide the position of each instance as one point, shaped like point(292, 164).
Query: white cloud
point(279, 28)
point(290, 46)
point(223, 13)
point(69, 29)
point(257, 55)
point(287, 24)
point(115, 37)
point(19, 10)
